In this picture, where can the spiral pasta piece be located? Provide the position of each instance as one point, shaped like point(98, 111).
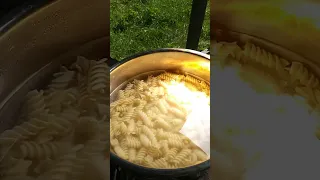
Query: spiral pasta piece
point(191, 79)
point(154, 151)
point(265, 58)
point(222, 50)
point(181, 156)
point(128, 100)
point(58, 126)
point(131, 126)
point(162, 107)
point(169, 135)
point(140, 155)
point(146, 120)
point(133, 142)
point(129, 115)
point(83, 89)
point(62, 79)
point(171, 153)
point(121, 152)
point(114, 142)
point(123, 128)
point(148, 132)
point(176, 143)
point(176, 122)
point(132, 154)
point(23, 131)
point(178, 113)
point(167, 76)
point(164, 147)
point(313, 81)
point(299, 72)
point(140, 85)
point(153, 81)
point(147, 160)
point(145, 141)
point(159, 163)
point(82, 65)
point(32, 150)
point(98, 79)
point(34, 104)
point(63, 169)
point(56, 101)
point(296, 70)
point(163, 124)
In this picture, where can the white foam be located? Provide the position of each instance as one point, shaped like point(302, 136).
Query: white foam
point(286, 140)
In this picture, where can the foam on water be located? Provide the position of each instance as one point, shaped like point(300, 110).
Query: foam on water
point(285, 139)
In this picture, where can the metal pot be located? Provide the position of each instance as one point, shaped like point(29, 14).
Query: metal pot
point(153, 62)
point(38, 37)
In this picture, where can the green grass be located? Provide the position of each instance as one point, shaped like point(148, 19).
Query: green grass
point(141, 25)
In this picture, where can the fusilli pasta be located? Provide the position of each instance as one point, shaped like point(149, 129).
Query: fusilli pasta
point(70, 113)
point(146, 119)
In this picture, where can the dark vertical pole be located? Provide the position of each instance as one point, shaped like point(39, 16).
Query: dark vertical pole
point(196, 21)
point(111, 62)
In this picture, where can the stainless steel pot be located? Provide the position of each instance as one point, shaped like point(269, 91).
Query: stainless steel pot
point(153, 62)
point(37, 39)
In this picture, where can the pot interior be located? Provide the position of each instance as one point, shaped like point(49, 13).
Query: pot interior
point(39, 79)
point(34, 45)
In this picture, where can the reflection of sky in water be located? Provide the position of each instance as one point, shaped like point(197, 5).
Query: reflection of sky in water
point(286, 140)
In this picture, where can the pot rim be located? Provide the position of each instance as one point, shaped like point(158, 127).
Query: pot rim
point(20, 12)
point(141, 170)
point(189, 51)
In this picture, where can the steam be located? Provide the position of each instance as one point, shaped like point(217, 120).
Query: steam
point(283, 128)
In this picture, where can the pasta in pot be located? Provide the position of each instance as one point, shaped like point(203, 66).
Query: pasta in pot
point(146, 119)
point(63, 126)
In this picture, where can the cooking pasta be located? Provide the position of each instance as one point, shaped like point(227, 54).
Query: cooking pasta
point(63, 126)
point(268, 126)
point(146, 119)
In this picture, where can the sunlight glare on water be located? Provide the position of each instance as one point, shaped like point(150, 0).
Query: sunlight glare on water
point(283, 128)
point(197, 104)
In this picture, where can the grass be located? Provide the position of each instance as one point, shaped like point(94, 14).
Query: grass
point(141, 25)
